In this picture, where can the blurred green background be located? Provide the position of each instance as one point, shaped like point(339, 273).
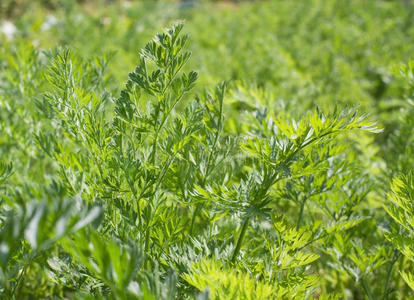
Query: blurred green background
point(317, 51)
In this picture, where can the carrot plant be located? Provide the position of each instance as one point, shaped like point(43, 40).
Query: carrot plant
point(165, 191)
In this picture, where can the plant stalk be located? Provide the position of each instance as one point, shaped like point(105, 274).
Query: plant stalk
point(366, 289)
point(195, 213)
point(146, 249)
point(302, 208)
point(387, 283)
point(240, 239)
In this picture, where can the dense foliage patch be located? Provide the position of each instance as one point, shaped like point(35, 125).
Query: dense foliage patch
point(291, 179)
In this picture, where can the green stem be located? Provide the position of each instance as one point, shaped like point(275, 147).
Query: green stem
point(387, 283)
point(161, 125)
point(312, 241)
point(302, 208)
point(400, 267)
point(240, 240)
point(16, 289)
point(19, 281)
point(366, 289)
point(146, 249)
point(209, 168)
point(155, 141)
point(195, 213)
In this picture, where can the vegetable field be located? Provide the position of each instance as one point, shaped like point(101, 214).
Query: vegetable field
point(206, 149)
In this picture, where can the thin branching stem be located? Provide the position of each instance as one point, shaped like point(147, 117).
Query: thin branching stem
point(300, 217)
point(199, 206)
point(389, 274)
point(366, 289)
point(240, 239)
